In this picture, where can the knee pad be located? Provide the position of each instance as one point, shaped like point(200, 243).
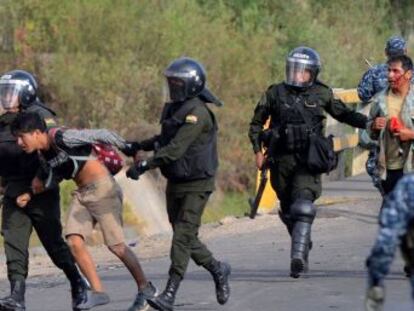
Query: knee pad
point(303, 210)
point(306, 194)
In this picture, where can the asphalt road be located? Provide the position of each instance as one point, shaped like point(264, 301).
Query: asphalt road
point(343, 234)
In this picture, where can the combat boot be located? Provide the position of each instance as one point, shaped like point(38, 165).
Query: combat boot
point(300, 248)
point(14, 302)
point(220, 272)
point(165, 301)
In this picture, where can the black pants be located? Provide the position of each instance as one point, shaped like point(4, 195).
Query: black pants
point(292, 180)
point(393, 176)
point(43, 214)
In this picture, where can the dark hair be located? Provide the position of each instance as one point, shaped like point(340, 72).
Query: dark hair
point(406, 62)
point(27, 122)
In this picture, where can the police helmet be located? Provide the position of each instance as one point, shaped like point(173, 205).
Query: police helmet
point(18, 88)
point(186, 78)
point(302, 67)
point(395, 45)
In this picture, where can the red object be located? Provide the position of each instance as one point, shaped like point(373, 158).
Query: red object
point(395, 125)
point(107, 155)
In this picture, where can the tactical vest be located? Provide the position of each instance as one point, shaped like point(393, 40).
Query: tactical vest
point(17, 168)
point(200, 161)
point(296, 114)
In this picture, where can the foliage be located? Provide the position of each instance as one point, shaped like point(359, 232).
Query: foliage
point(231, 204)
point(100, 62)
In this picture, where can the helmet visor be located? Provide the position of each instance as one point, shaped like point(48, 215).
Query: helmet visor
point(300, 74)
point(9, 94)
point(176, 89)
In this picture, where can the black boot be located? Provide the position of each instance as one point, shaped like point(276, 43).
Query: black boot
point(220, 272)
point(14, 302)
point(165, 301)
point(300, 248)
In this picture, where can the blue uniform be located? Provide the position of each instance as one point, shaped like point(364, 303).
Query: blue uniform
point(373, 81)
point(395, 220)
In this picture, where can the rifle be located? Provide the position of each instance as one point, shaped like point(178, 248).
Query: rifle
point(254, 202)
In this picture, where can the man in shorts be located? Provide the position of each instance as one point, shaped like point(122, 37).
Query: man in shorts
point(67, 155)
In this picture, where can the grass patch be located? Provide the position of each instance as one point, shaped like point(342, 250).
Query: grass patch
point(232, 204)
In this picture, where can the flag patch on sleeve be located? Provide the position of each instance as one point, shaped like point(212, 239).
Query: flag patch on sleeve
point(50, 122)
point(191, 119)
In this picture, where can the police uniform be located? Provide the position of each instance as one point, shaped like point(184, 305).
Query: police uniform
point(186, 153)
point(18, 92)
point(296, 187)
point(396, 228)
point(42, 213)
point(374, 80)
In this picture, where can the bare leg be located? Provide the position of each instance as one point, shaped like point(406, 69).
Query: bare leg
point(130, 260)
point(85, 261)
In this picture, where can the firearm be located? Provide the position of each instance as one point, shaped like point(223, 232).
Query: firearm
point(254, 202)
point(269, 139)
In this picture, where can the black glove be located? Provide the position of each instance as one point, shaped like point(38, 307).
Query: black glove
point(131, 148)
point(137, 170)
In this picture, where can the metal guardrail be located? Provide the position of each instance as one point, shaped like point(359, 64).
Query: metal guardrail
point(343, 140)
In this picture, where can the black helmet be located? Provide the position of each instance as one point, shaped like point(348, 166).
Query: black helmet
point(17, 88)
point(302, 67)
point(186, 78)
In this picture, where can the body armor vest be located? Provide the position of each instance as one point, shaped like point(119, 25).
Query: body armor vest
point(296, 114)
point(200, 161)
point(17, 167)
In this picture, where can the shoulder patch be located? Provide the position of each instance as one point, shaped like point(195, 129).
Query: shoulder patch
point(50, 122)
point(191, 119)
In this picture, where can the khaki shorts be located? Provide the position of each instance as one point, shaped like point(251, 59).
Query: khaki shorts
point(99, 202)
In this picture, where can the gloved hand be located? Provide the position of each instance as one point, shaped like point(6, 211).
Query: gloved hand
point(131, 148)
point(137, 170)
point(374, 299)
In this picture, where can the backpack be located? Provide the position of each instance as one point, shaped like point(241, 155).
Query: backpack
point(104, 153)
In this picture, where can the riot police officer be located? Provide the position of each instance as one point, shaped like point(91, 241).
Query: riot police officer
point(186, 153)
point(296, 109)
point(19, 92)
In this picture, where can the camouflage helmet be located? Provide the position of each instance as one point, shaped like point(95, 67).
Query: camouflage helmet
point(395, 45)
